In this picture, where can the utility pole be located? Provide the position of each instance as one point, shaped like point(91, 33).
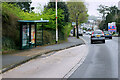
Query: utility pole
point(56, 25)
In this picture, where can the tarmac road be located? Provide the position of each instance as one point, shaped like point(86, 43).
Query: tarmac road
point(101, 61)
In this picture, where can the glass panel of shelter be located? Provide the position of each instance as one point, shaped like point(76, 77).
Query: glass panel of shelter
point(32, 35)
point(25, 35)
point(27, 31)
point(39, 34)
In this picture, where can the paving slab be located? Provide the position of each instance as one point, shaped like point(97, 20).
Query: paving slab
point(12, 60)
point(55, 66)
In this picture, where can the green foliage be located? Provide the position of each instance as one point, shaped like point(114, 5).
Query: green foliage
point(8, 44)
point(67, 28)
point(48, 36)
point(25, 6)
point(103, 10)
point(51, 16)
point(10, 27)
point(111, 16)
point(47, 15)
point(12, 9)
point(77, 9)
point(11, 13)
point(118, 21)
point(60, 5)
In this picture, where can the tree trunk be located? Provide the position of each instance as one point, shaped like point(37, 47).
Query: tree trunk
point(77, 25)
point(73, 30)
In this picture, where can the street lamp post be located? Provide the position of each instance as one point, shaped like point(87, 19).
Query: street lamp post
point(56, 25)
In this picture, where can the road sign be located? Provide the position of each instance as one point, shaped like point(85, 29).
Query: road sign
point(112, 27)
point(73, 23)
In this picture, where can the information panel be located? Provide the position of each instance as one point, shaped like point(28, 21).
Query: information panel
point(25, 35)
point(32, 34)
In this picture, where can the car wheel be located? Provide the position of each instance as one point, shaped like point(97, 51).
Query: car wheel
point(91, 42)
point(103, 41)
point(110, 38)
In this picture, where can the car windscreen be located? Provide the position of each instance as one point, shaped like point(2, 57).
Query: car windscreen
point(106, 32)
point(97, 32)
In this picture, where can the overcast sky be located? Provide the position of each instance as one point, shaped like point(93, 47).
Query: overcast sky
point(92, 5)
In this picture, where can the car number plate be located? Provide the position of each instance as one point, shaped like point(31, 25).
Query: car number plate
point(98, 35)
point(107, 34)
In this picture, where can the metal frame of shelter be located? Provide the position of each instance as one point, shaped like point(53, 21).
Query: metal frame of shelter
point(28, 33)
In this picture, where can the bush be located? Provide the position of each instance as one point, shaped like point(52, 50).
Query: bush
point(8, 44)
point(10, 31)
point(10, 27)
point(48, 36)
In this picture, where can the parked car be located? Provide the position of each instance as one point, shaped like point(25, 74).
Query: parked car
point(91, 32)
point(84, 31)
point(107, 34)
point(97, 35)
point(88, 33)
point(116, 35)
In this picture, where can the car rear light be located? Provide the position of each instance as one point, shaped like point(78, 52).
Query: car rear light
point(92, 33)
point(103, 33)
point(92, 36)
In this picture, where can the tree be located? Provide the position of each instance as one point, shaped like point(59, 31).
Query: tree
point(62, 18)
point(25, 6)
point(78, 13)
point(61, 5)
point(111, 16)
point(118, 21)
point(103, 10)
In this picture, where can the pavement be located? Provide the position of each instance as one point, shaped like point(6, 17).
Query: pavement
point(119, 57)
point(58, 65)
point(10, 61)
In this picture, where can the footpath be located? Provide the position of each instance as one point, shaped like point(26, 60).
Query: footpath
point(10, 61)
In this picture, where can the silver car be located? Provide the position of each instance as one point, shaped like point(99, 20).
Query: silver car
point(97, 35)
point(88, 33)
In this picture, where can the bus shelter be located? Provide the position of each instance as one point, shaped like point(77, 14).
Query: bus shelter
point(28, 33)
